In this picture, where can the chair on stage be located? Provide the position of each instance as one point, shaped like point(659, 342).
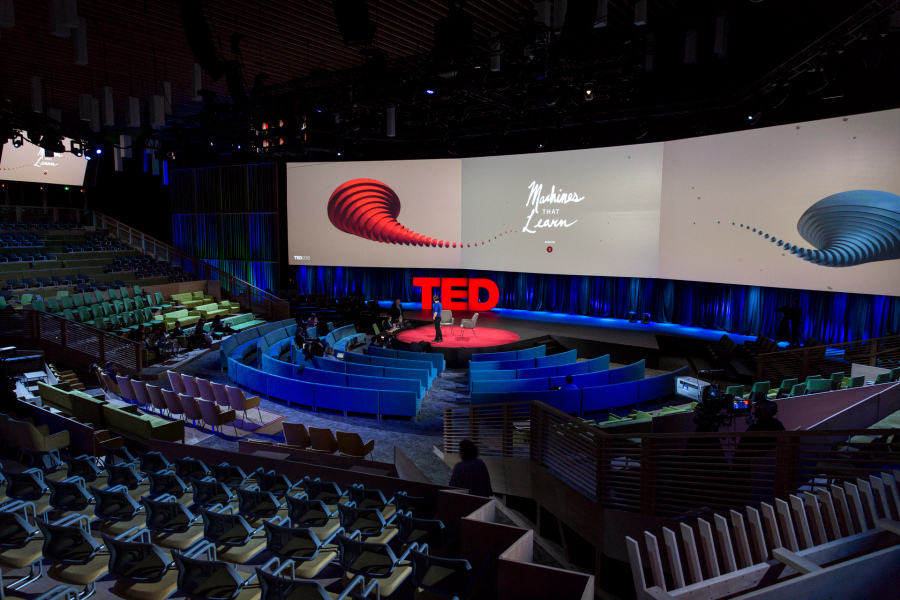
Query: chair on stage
point(447, 319)
point(469, 324)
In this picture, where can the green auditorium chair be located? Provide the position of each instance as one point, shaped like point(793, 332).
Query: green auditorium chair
point(78, 301)
point(836, 380)
point(883, 378)
point(858, 381)
point(114, 294)
point(52, 305)
point(760, 388)
point(895, 374)
point(815, 386)
point(37, 305)
point(66, 302)
point(811, 377)
point(69, 315)
point(784, 389)
point(798, 390)
point(735, 390)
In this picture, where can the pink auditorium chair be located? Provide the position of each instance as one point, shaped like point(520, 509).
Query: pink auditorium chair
point(111, 385)
point(141, 395)
point(173, 404)
point(127, 392)
point(221, 394)
point(175, 382)
point(190, 386)
point(191, 408)
point(157, 399)
point(239, 401)
point(206, 391)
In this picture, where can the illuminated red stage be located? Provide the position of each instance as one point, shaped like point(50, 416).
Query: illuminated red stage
point(486, 337)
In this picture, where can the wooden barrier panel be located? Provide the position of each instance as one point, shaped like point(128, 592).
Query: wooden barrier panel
point(825, 360)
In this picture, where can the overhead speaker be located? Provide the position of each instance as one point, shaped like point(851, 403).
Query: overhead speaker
point(640, 12)
point(167, 96)
point(84, 107)
point(7, 14)
point(200, 39)
point(690, 47)
point(196, 82)
point(58, 19)
point(81, 49)
point(353, 21)
point(602, 17)
point(392, 121)
point(95, 115)
point(37, 101)
point(720, 45)
point(133, 112)
point(109, 114)
point(157, 111)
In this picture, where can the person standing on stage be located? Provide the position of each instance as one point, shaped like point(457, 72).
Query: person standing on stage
point(438, 309)
point(396, 312)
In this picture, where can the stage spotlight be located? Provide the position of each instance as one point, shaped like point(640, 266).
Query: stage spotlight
point(646, 319)
point(98, 151)
point(76, 148)
point(87, 157)
point(429, 92)
point(17, 140)
point(589, 92)
point(632, 317)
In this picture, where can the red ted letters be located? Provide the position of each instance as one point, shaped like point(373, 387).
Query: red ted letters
point(458, 293)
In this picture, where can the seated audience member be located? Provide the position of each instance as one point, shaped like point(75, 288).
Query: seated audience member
point(389, 325)
point(111, 370)
point(569, 385)
point(329, 354)
point(416, 347)
point(470, 473)
point(199, 338)
point(219, 329)
point(157, 341)
point(300, 338)
point(426, 347)
point(177, 331)
point(137, 335)
point(312, 321)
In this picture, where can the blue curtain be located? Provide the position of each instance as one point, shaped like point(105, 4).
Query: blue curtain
point(830, 317)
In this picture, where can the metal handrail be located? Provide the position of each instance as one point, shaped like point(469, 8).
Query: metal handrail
point(827, 359)
point(246, 294)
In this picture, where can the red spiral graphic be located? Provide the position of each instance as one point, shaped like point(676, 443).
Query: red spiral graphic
point(368, 208)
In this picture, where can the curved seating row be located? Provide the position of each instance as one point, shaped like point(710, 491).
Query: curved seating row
point(340, 337)
point(601, 363)
point(593, 399)
point(563, 358)
point(314, 375)
point(318, 396)
point(535, 352)
point(420, 375)
point(397, 363)
point(437, 360)
point(630, 372)
point(251, 336)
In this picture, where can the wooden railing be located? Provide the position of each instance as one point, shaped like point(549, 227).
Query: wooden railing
point(667, 474)
point(75, 344)
point(825, 360)
point(247, 295)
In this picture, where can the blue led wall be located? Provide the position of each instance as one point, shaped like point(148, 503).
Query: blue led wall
point(228, 217)
point(748, 310)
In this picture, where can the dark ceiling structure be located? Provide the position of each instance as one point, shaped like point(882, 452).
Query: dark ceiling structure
point(357, 79)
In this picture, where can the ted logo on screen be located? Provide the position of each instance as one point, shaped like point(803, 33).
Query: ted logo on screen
point(458, 293)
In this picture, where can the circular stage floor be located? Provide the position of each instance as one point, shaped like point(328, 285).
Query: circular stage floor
point(486, 337)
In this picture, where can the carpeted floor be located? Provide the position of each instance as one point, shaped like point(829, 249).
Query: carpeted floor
point(415, 438)
point(456, 337)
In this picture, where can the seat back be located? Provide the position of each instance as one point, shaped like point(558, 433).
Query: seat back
point(172, 402)
point(213, 579)
point(206, 391)
point(176, 382)
point(445, 576)
point(68, 495)
point(167, 516)
point(323, 440)
point(210, 492)
point(365, 498)
point(122, 474)
point(814, 386)
point(369, 522)
point(26, 486)
point(366, 559)
point(68, 544)
point(125, 389)
point(295, 434)
point(85, 467)
point(225, 529)
point(140, 393)
point(292, 543)
point(220, 393)
point(141, 562)
point(153, 462)
point(446, 317)
point(188, 467)
point(114, 506)
point(190, 386)
point(211, 413)
point(836, 380)
point(273, 482)
point(156, 397)
point(273, 587)
point(164, 482)
point(307, 513)
point(257, 504)
point(228, 474)
point(15, 531)
point(191, 407)
point(798, 390)
point(350, 443)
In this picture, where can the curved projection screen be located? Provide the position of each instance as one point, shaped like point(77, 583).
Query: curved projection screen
point(30, 163)
point(812, 206)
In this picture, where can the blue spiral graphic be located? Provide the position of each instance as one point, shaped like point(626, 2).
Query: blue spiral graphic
point(848, 229)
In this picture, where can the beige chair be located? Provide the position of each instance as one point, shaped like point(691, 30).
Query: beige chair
point(141, 395)
point(28, 437)
point(447, 319)
point(322, 440)
point(221, 394)
point(157, 399)
point(351, 444)
point(127, 392)
point(191, 408)
point(111, 385)
point(469, 324)
point(190, 386)
point(176, 382)
point(213, 417)
point(239, 401)
point(206, 391)
point(295, 435)
point(173, 404)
